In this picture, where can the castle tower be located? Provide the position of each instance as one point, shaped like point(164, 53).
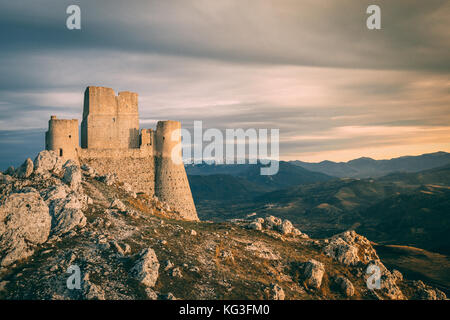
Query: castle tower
point(62, 137)
point(171, 183)
point(109, 121)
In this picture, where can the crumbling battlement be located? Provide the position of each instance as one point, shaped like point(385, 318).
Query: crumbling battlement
point(111, 142)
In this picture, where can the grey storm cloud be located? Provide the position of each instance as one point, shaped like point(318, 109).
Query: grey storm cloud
point(310, 68)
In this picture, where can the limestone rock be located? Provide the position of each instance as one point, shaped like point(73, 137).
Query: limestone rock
point(286, 227)
point(168, 265)
point(72, 174)
point(24, 222)
point(259, 220)
point(342, 251)
point(176, 273)
point(47, 161)
point(109, 179)
point(345, 286)
point(350, 248)
point(313, 273)
point(146, 268)
point(6, 179)
point(117, 204)
point(424, 292)
point(121, 249)
point(273, 223)
point(168, 296)
point(26, 169)
point(387, 281)
point(151, 295)
point(299, 234)
point(276, 292)
point(66, 212)
point(255, 226)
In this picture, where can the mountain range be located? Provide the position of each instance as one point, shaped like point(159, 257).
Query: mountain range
point(367, 167)
point(408, 208)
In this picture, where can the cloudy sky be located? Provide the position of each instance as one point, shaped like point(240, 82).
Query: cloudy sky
point(335, 89)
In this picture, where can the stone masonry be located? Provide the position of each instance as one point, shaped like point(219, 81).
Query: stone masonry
point(111, 142)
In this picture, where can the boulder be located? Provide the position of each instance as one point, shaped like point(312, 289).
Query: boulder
point(255, 226)
point(345, 286)
point(286, 227)
point(387, 281)
point(65, 210)
point(276, 292)
point(117, 204)
point(151, 295)
point(298, 233)
point(350, 248)
point(26, 169)
point(146, 268)
point(425, 292)
point(313, 273)
point(47, 161)
point(72, 175)
point(176, 273)
point(273, 223)
point(24, 221)
point(342, 251)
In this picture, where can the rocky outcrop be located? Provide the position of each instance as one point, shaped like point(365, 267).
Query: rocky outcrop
point(345, 286)
point(146, 270)
point(24, 222)
point(284, 227)
point(350, 248)
point(47, 161)
point(72, 174)
point(26, 169)
point(425, 292)
point(313, 273)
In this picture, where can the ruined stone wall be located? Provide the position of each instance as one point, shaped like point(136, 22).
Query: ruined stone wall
point(171, 183)
point(133, 166)
point(62, 137)
point(109, 121)
point(150, 162)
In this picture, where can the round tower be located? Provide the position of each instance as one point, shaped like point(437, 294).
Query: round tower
point(171, 183)
point(62, 137)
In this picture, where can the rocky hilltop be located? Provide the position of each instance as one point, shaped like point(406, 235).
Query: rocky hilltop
point(56, 216)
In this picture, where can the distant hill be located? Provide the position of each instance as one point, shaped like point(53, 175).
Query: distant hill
point(224, 187)
point(367, 167)
point(399, 208)
point(232, 182)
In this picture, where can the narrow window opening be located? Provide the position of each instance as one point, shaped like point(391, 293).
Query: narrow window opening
point(60, 152)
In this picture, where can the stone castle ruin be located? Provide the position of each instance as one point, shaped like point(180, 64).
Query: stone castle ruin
point(111, 142)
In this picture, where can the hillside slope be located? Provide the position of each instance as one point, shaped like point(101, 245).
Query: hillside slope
point(130, 246)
